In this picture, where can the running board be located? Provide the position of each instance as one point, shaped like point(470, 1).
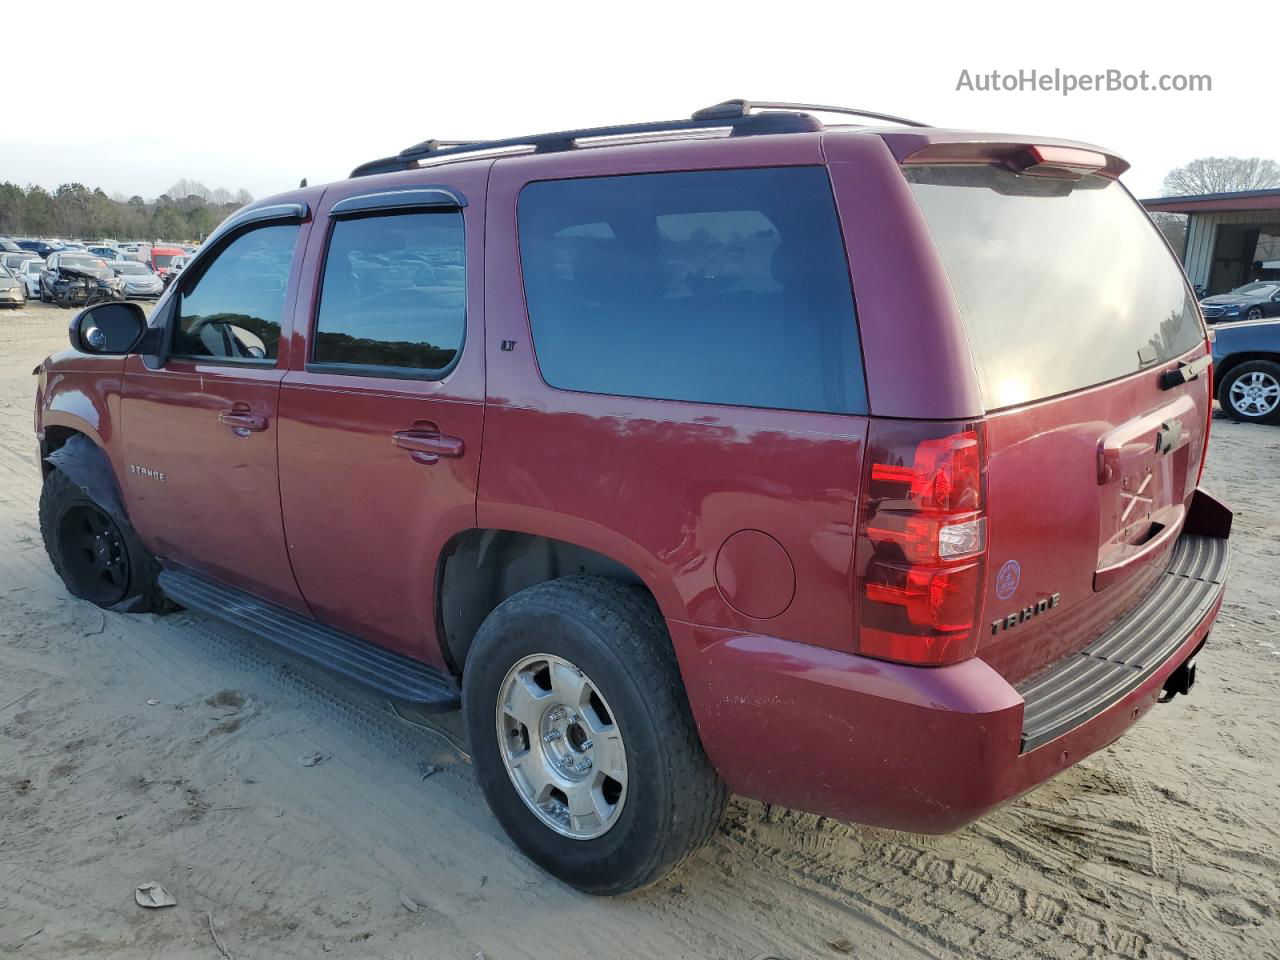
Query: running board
point(391, 674)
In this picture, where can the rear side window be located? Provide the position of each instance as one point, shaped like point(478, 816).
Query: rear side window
point(1062, 285)
point(727, 287)
point(394, 293)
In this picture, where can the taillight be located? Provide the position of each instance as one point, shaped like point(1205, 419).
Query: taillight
point(922, 542)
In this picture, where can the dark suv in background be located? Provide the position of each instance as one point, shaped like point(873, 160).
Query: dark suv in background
point(850, 468)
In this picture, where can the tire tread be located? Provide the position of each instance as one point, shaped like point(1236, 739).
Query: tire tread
point(630, 618)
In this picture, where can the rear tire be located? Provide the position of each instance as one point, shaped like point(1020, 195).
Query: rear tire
point(98, 556)
point(1250, 392)
point(604, 782)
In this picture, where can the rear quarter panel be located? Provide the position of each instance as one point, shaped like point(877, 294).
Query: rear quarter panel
point(917, 359)
point(661, 485)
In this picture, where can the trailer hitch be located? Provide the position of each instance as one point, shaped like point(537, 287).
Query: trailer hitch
point(1180, 681)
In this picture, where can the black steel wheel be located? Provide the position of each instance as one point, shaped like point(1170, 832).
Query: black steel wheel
point(94, 556)
point(96, 553)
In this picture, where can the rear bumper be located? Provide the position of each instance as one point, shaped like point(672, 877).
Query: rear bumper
point(931, 749)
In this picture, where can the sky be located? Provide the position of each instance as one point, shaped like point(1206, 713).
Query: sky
point(259, 95)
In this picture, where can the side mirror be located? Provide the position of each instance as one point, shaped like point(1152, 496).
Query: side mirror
point(108, 329)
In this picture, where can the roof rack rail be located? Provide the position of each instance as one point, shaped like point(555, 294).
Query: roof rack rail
point(737, 115)
point(742, 125)
point(742, 108)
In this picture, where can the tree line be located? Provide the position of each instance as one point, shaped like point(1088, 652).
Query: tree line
point(186, 212)
point(1211, 175)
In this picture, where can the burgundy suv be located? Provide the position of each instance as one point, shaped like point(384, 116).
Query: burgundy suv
point(849, 468)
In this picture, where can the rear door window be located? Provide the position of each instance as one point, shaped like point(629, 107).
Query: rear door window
point(727, 287)
point(1061, 284)
point(394, 294)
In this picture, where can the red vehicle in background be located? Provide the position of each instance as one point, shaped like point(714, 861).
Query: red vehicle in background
point(854, 469)
point(162, 259)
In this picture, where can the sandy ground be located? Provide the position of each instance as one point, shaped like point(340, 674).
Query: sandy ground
point(137, 748)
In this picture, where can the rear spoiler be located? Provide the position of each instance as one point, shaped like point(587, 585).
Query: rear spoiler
point(1061, 159)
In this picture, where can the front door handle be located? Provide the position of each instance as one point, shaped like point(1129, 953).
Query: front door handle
point(242, 422)
point(428, 446)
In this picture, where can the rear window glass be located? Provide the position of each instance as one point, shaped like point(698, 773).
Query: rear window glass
point(727, 286)
point(1062, 284)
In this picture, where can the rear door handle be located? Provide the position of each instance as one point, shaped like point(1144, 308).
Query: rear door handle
point(242, 422)
point(1185, 372)
point(427, 446)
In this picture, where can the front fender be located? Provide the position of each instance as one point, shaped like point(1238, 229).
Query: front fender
point(81, 393)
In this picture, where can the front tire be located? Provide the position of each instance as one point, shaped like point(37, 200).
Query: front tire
point(98, 556)
point(582, 736)
point(1250, 392)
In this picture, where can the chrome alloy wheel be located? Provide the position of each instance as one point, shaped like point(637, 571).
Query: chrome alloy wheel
point(561, 746)
point(1255, 394)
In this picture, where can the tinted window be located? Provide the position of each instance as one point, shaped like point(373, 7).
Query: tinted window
point(235, 309)
point(1061, 284)
point(394, 292)
point(726, 286)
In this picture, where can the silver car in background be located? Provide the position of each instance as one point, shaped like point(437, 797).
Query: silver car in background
point(139, 280)
point(12, 293)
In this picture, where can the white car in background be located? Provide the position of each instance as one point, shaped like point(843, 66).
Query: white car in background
point(13, 261)
point(30, 277)
point(140, 282)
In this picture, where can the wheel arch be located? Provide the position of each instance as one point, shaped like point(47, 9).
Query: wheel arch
point(481, 567)
point(77, 454)
point(68, 408)
point(1222, 369)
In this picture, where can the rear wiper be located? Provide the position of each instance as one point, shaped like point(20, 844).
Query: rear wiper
point(1184, 372)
